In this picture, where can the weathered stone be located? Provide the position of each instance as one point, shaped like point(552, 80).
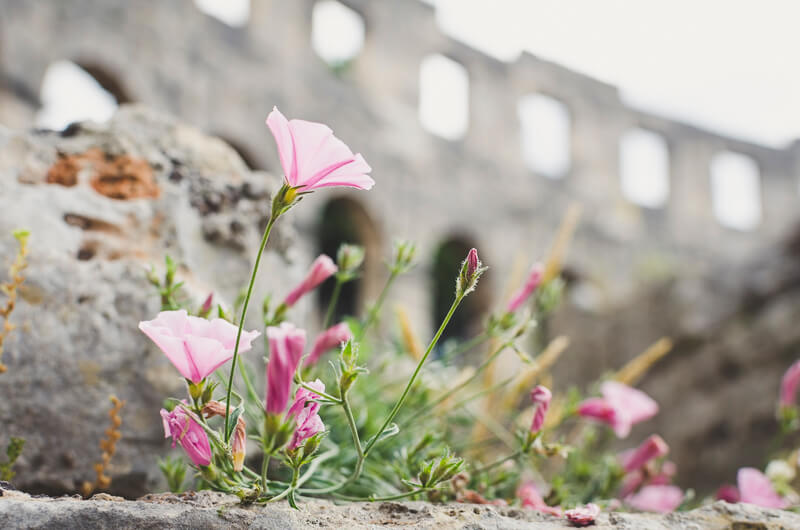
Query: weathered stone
point(215, 510)
point(102, 204)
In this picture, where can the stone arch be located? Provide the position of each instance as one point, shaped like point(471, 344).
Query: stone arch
point(468, 319)
point(346, 220)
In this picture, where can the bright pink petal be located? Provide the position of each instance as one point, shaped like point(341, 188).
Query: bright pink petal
point(207, 354)
point(172, 347)
point(315, 148)
point(728, 493)
point(652, 448)
point(352, 174)
point(789, 384)
point(333, 337)
point(756, 488)
point(322, 269)
point(661, 499)
point(279, 126)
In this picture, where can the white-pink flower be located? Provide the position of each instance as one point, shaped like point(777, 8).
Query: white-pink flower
point(322, 269)
point(656, 498)
point(621, 407)
point(789, 385)
point(332, 337)
point(312, 157)
point(756, 488)
point(583, 515)
point(195, 346)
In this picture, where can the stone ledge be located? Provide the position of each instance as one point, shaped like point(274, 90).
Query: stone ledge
point(207, 509)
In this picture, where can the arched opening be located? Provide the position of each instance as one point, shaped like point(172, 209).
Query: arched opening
point(467, 320)
point(545, 132)
point(337, 32)
point(644, 168)
point(345, 220)
point(443, 97)
point(736, 190)
point(73, 92)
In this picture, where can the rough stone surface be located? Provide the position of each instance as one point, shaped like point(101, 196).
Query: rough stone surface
point(102, 204)
point(214, 510)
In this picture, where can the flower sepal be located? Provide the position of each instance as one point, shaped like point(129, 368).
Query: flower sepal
point(286, 197)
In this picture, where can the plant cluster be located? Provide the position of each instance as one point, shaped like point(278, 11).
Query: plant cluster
point(357, 417)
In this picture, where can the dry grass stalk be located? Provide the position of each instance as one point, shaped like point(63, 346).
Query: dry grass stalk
point(536, 370)
point(108, 446)
point(10, 287)
point(410, 340)
point(636, 368)
point(566, 230)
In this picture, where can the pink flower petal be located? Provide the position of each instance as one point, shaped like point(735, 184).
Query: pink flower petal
point(661, 499)
point(756, 488)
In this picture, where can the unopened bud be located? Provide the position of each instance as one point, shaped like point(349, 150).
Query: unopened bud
point(403, 256)
point(471, 271)
point(349, 258)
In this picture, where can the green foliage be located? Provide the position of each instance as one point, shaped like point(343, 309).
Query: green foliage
point(174, 470)
point(13, 451)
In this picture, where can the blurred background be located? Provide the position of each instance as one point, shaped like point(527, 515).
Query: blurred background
point(673, 125)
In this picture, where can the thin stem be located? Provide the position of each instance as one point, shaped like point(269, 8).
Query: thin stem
point(264, 469)
point(264, 240)
point(332, 304)
point(487, 467)
point(468, 344)
point(373, 312)
point(320, 393)
point(402, 399)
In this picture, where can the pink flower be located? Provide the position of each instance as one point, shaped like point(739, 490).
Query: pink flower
point(668, 470)
point(541, 397)
point(312, 157)
point(195, 346)
point(621, 407)
point(660, 498)
point(583, 516)
point(728, 493)
point(188, 433)
point(239, 442)
point(631, 483)
point(531, 284)
point(331, 338)
point(789, 384)
point(756, 488)
point(472, 262)
point(652, 448)
point(305, 412)
point(286, 344)
point(530, 497)
point(322, 269)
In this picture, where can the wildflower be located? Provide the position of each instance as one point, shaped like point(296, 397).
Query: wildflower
point(664, 476)
point(312, 157)
point(583, 516)
point(780, 471)
point(205, 309)
point(530, 497)
point(330, 338)
point(541, 397)
point(756, 488)
point(188, 433)
point(728, 493)
point(656, 498)
point(789, 384)
point(286, 344)
point(305, 412)
point(239, 443)
point(533, 281)
point(471, 271)
point(195, 346)
point(652, 448)
point(621, 407)
point(322, 269)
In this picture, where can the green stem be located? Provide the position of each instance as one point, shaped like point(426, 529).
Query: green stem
point(332, 304)
point(320, 393)
point(264, 240)
point(487, 467)
point(264, 469)
point(468, 345)
point(402, 399)
point(373, 312)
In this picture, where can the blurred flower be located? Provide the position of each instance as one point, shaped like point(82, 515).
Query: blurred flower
point(756, 488)
point(532, 282)
point(312, 157)
point(657, 498)
point(330, 338)
point(664, 476)
point(789, 384)
point(727, 493)
point(322, 269)
point(652, 448)
point(621, 407)
point(188, 433)
point(583, 515)
point(530, 498)
point(286, 344)
point(541, 397)
point(780, 471)
point(195, 346)
point(305, 410)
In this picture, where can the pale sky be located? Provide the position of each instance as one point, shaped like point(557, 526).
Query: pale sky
point(728, 65)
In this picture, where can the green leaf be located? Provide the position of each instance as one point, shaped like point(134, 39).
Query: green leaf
point(234, 417)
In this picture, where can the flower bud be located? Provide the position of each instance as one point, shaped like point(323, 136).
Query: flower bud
point(403, 256)
point(541, 397)
point(205, 309)
point(471, 271)
point(349, 258)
